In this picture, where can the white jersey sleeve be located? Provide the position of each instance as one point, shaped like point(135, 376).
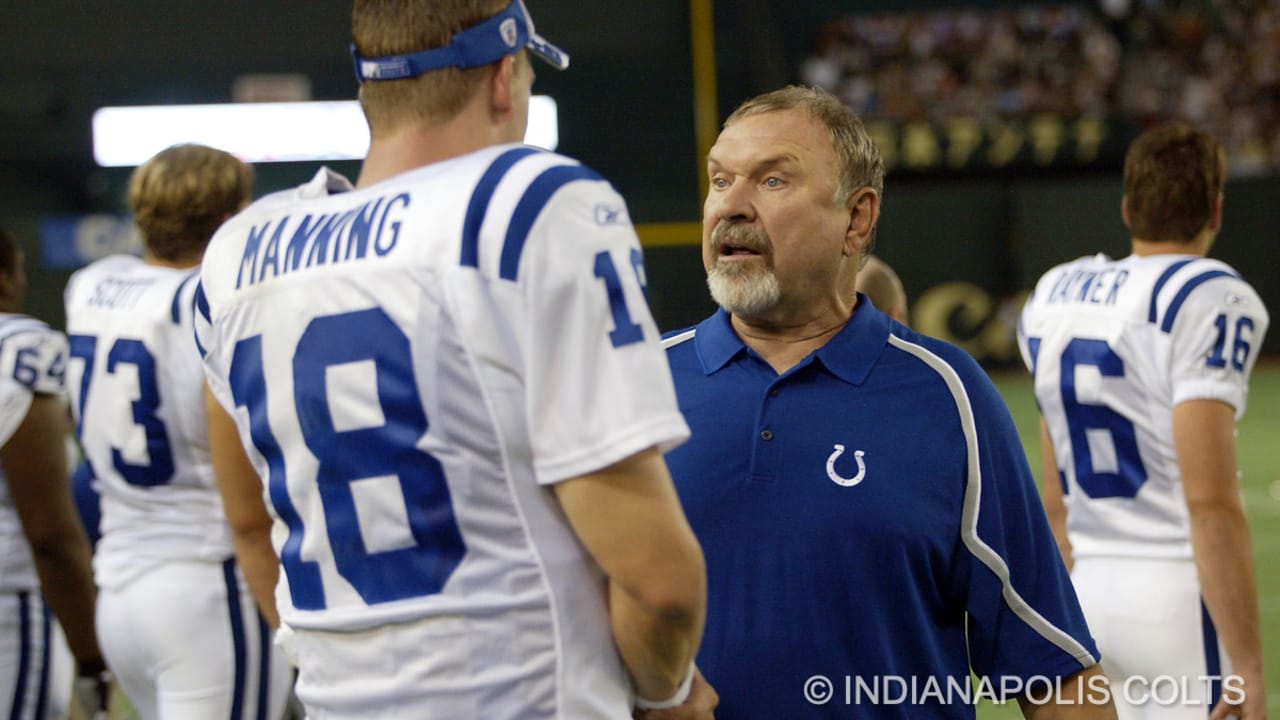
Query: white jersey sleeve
point(32, 361)
point(1113, 347)
point(1216, 323)
point(591, 341)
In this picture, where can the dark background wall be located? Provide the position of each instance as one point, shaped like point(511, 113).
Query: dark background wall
point(966, 243)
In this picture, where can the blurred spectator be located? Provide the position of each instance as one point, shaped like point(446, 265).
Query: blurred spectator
point(1213, 63)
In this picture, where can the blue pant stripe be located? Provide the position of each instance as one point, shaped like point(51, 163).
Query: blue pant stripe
point(237, 637)
point(24, 656)
point(1212, 660)
point(46, 631)
point(264, 667)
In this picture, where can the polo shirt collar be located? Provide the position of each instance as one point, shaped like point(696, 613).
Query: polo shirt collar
point(854, 350)
point(716, 342)
point(849, 355)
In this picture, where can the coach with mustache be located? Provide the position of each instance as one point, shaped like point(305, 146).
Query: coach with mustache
point(871, 527)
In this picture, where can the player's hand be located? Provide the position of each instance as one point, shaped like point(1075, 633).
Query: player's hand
point(1247, 701)
point(702, 701)
point(91, 690)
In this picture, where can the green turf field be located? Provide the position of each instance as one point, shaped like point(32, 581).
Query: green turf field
point(1259, 458)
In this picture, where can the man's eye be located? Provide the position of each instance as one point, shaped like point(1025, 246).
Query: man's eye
point(773, 182)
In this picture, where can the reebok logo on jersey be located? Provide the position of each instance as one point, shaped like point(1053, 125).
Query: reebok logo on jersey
point(610, 215)
point(839, 479)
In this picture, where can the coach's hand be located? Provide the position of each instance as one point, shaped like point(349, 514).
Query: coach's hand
point(702, 701)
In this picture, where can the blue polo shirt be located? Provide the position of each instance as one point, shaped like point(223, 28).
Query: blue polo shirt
point(871, 529)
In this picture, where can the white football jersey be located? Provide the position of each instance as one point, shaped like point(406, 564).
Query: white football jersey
point(413, 364)
point(32, 360)
point(1113, 346)
point(136, 384)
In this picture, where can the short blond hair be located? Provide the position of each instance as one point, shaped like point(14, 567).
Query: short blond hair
point(397, 27)
point(183, 194)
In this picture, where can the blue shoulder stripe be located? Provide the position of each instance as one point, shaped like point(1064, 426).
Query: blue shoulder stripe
point(479, 203)
point(201, 306)
point(202, 303)
point(175, 308)
point(1171, 313)
point(528, 209)
point(1153, 311)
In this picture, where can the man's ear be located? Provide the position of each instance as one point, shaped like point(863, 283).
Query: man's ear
point(864, 212)
point(502, 88)
point(1124, 210)
point(1215, 221)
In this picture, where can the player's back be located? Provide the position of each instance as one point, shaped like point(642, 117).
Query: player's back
point(1113, 346)
point(32, 360)
point(415, 365)
point(136, 383)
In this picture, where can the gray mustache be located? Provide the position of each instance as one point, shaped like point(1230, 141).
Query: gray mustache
point(744, 236)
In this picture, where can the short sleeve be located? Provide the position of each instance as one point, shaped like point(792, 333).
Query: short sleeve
point(35, 358)
point(599, 386)
point(1216, 336)
point(32, 361)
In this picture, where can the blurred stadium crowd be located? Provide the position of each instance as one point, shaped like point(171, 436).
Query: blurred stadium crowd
point(1214, 63)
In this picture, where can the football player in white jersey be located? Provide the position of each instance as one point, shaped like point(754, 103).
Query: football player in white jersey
point(45, 551)
point(1141, 369)
point(449, 379)
point(177, 623)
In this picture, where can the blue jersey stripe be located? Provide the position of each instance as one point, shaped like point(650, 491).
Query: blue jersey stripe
point(1033, 349)
point(175, 308)
point(479, 203)
point(202, 303)
point(237, 637)
point(24, 655)
point(528, 209)
point(1171, 313)
point(1153, 311)
point(201, 306)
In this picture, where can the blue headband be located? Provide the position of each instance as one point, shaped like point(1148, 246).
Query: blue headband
point(488, 42)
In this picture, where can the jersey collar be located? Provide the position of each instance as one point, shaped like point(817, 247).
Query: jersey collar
point(849, 355)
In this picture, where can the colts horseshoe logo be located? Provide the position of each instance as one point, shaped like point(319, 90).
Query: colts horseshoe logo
point(836, 477)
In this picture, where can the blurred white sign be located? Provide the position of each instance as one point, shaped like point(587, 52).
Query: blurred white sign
point(262, 132)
